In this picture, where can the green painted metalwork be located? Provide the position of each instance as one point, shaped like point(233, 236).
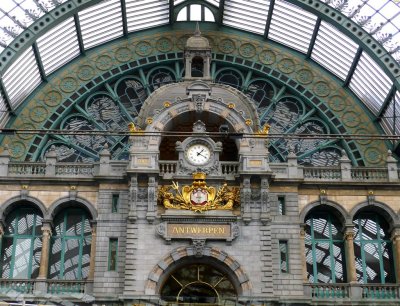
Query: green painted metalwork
point(88, 76)
point(21, 245)
point(373, 250)
point(70, 246)
point(324, 250)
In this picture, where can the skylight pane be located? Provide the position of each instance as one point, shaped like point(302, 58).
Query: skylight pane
point(389, 116)
point(292, 26)
point(370, 83)
point(22, 77)
point(248, 15)
point(101, 23)
point(195, 12)
point(334, 50)
point(58, 46)
point(142, 14)
point(3, 110)
point(215, 2)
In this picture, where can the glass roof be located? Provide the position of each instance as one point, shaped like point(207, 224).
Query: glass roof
point(381, 18)
point(279, 21)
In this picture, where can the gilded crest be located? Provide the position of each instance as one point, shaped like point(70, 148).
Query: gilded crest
point(198, 196)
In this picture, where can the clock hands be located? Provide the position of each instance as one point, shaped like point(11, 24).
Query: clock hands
point(199, 153)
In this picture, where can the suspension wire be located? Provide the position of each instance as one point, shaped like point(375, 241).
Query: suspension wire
point(171, 134)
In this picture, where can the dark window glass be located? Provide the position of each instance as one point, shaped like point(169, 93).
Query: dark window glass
point(284, 256)
point(115, 203)
point(112, 254)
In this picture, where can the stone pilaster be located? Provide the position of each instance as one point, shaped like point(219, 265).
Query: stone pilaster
point(265, 207)
point(133, 198)
point(245, 199)
point(303, 252)
point(92, 252)
point(152, 199)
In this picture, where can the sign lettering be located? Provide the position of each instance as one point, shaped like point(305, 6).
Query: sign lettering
point(215, 231)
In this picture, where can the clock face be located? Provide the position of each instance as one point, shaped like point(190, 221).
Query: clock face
point(198, 154)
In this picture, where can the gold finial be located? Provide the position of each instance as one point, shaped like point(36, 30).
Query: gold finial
point(248, 122)
point(167, 104)
point(231, 105)
point(149, 120)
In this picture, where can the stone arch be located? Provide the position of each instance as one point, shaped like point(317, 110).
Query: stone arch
point(66, 201)
point(10, 204)
point(337, 209)
point(154, 280)
point(379, 207)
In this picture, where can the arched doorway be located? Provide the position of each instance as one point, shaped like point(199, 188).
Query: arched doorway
point(198, 284)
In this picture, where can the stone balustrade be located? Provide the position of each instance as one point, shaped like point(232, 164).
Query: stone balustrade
point(43, 287)
point(106, 167)
point(65, 286)
point(365, 292)
point(18, 285)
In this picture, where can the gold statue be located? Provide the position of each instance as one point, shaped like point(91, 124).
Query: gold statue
point(133, 129)
point(264, 131)
point(198, 197)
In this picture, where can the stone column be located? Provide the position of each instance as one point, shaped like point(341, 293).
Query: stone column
point(44, 257)
point(4, 161)
point(350, 257)
point(92, 252)
point(303, 252)
point(396, 251)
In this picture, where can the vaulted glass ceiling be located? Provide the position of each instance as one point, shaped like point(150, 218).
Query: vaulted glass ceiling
point(299, 28)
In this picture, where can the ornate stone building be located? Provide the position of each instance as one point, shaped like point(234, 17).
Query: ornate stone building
point(255, 163)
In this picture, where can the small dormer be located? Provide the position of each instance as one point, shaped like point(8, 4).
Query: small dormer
point(197, 57)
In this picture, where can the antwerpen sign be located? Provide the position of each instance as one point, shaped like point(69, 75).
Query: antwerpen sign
point(209, 231)
point(216, 231)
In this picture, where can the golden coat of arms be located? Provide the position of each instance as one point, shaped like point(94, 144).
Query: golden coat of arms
point(198, 196)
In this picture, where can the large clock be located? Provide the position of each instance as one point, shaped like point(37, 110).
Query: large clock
point(198, 154)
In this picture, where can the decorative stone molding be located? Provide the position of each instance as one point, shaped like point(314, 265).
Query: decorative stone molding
point(153, 281)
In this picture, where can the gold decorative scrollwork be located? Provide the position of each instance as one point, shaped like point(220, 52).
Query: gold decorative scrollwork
point(198, 197)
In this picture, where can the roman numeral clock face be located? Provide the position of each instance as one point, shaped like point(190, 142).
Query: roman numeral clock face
point(198, 154)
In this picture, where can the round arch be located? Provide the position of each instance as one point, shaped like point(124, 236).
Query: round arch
point(331, 206)
point(11, 204)
point(189, 254)
point(379, 207)
point(65, 202)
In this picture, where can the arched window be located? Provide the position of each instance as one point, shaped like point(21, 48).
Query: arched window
point(195, 12)
point(324, 248)
point(198, 283)
point(160, 77)
point(21, 245)
point(229, 77)
point(373, 249)
point(70, 248)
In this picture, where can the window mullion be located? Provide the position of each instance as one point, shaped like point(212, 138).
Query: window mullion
point(333, 275)
point(313, 252)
